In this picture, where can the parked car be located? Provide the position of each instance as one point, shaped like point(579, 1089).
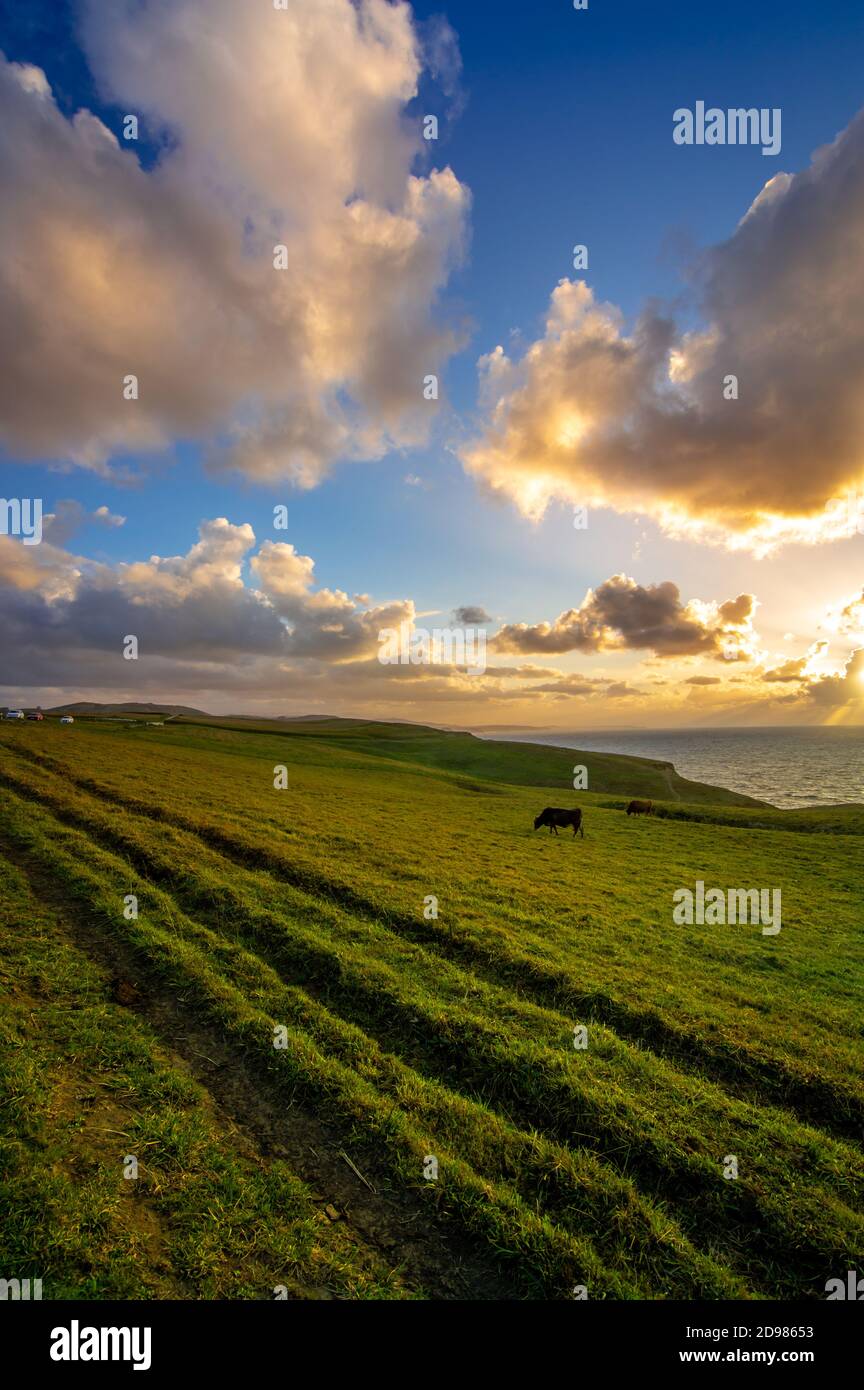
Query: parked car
point(66, 719)
point(14, 714)
point(36, 715)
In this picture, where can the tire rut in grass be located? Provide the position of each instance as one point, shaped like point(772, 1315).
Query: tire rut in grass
point(547, 1257)
point(397, 1228)
point(814, 1101)
point(526, 1110)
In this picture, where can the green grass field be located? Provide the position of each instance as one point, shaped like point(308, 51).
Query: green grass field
point(302, 917)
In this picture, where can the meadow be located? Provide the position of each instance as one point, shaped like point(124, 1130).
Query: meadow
point(368, 1036)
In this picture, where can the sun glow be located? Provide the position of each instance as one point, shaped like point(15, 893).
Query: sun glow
point(569, 430)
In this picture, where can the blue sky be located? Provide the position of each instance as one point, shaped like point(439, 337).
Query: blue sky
point(561, 129)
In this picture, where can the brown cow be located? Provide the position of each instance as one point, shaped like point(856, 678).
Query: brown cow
point(553, 816)
point(640, 808)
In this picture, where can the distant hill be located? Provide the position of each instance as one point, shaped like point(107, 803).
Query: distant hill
point(133, 707)
point(457, 753)
point(461, 753)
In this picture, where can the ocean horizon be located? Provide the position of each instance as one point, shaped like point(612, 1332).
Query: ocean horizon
point(803, 765)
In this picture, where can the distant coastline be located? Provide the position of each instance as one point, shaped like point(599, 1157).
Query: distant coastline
point(792, 766)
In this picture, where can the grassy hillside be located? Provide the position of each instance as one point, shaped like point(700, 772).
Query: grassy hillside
point(408, 1037)
point(518, 764)
point(87, 707)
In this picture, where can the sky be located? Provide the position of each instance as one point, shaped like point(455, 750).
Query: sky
point(284, 377)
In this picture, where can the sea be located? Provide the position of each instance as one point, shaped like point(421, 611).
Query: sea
point(812, 766)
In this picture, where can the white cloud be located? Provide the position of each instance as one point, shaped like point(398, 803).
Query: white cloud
point(278, 128)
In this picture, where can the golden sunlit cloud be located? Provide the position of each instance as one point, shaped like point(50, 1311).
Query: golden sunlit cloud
point(623, 615)
point(744, 434)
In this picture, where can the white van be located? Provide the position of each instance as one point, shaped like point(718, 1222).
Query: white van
point(14, 714)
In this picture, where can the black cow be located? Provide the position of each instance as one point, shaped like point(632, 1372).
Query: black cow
point(553, 816)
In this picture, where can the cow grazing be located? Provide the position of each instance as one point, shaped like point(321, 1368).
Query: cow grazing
point(640, 808)
point(554, 816)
